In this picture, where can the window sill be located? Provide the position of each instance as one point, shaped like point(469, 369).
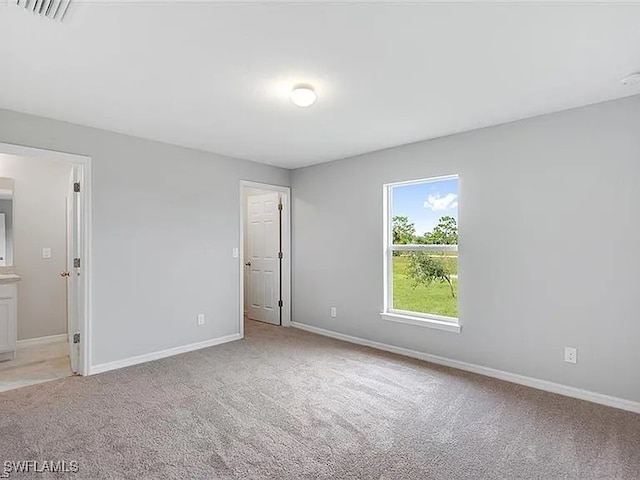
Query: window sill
point(421, 321)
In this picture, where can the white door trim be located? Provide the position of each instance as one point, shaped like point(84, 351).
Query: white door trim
point(286, 248)
point(84, 162)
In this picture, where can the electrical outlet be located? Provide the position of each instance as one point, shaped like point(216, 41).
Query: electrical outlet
point(46, 253)
point(333, 312)
point(201, 319)
point(570, 355)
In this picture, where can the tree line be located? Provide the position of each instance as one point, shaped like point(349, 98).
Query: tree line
point(444, 233)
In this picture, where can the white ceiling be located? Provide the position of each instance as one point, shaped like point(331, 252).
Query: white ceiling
point(216, 76)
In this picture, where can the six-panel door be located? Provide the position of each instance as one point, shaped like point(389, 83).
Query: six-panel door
point(263, 239)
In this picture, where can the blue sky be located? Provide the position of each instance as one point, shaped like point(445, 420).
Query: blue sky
point(425, 203)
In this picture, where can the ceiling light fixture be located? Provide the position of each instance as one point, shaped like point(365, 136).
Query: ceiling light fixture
point(632, 79)
point(51, 9)
point(303, 95)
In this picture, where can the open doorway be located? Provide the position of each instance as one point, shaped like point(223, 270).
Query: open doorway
point(265, 254)
point(43, 273)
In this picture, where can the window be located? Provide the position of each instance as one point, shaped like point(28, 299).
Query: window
point(421, 253)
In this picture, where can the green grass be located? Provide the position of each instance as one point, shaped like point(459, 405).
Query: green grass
point(435, 298)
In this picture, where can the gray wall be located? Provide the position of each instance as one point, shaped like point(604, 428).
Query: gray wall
point(39, 208)
point(165, 221)
point(557, 266)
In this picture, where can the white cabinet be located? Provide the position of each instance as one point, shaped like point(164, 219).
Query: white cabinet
point(3, 241)
point(8, 320)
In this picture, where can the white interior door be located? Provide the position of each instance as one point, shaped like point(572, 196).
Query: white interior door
point(74, 252)
point(262, 265)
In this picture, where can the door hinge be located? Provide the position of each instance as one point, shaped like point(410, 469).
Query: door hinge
point(76, 263)
point(76, 187)
point(279, 206)
point(76, 338)
point(280, 304)
point(280, 255)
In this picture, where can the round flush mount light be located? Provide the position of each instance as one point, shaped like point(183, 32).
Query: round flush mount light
point(303, 95)
point(632, 79)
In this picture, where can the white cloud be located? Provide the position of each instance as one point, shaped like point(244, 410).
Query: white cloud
point(436, 202)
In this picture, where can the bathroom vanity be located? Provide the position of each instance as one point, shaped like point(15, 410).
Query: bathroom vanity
point(8, 279)
point(8, 315)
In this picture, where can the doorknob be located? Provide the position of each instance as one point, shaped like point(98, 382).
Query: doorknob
point(247, 264)
point(65, 274)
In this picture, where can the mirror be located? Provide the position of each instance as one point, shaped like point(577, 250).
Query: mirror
point(6, 222)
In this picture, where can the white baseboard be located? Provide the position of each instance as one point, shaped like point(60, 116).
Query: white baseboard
point(545, 385)
point(148, 357)
point(32, 342)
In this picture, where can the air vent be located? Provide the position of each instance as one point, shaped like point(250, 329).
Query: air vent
point(51, 9)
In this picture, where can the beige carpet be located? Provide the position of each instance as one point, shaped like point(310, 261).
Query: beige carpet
point(288, 404)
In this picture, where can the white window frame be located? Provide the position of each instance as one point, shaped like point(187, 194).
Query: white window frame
point(440, 322)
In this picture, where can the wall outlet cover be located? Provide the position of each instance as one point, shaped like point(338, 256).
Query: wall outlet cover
point(570, 355)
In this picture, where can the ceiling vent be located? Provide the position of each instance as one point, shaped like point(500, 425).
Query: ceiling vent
point(51, 9)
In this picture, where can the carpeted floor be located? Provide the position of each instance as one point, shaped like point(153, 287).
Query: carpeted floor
point(283, 403)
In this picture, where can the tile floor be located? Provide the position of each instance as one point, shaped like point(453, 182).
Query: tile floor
point(35, 364)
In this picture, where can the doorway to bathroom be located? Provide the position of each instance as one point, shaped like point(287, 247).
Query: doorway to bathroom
point(265, 254)
point(44, 279)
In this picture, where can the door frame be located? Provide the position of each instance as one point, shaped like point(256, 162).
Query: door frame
point(84, 164)
point(286, 248)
